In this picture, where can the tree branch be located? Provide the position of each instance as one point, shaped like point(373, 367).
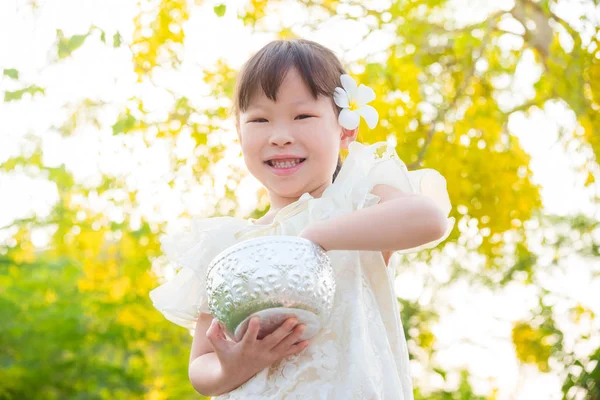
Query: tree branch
point(20, 221)
point(459, 93)
point(525, 106)
point(467, 28)
point(558, 19)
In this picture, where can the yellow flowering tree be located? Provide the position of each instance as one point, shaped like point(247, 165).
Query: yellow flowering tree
point(77, 320)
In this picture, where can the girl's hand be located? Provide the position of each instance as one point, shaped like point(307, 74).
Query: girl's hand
point(241, 361)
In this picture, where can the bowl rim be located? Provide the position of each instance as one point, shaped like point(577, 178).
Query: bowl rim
point(255, 242)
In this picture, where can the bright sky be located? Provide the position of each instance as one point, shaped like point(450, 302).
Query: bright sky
point(476, 334)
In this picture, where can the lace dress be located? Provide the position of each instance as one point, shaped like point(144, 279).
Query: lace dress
point(361, 352)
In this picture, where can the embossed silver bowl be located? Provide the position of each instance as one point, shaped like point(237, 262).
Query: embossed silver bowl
point(274, 277)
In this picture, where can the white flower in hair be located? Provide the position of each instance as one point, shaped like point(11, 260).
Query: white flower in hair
point(353, 102)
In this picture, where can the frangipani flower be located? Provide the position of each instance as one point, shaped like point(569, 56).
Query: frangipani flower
point(353, 101)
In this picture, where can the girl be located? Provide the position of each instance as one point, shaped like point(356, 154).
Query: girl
point(293, 116)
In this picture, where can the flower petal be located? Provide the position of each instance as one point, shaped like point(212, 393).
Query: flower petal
point(341, 98)
point(349, 119)
point(349, 85)
point(370, 115)
point(364, 95)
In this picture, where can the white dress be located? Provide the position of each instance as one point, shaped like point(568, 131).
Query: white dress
point(361, 352)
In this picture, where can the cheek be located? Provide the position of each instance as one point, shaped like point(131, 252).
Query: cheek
point(249, 140)
point(329, 135)
point(322, 128)
point(251, 150)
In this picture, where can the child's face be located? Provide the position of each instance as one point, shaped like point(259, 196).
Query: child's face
point(302, 130)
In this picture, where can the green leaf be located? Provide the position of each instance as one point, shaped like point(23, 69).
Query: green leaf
point(117, 40)
point(220, 10)
point(66, 46)
point(124, 124)
point(18, 94)
point(11, 73)
point(103, 37)
point(441, 372)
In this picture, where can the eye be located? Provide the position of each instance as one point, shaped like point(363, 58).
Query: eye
point(303, 116)
point(258, 120)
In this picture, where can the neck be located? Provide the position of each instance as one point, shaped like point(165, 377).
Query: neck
point(278, 202)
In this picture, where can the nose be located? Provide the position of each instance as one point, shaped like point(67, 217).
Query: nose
point(281, 137)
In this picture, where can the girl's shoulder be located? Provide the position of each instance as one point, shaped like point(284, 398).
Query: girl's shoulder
point(201, 233)
point(367, 166)
point(211, 224)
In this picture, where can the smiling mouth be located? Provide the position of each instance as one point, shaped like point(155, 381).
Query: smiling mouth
point(285, 163)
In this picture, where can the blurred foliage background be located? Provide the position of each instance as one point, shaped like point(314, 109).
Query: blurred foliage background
point(76, 320)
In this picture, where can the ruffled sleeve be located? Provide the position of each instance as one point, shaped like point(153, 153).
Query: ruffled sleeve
point(184, 297)
point(368, 166)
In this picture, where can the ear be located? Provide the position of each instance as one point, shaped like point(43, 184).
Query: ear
point(348, 136)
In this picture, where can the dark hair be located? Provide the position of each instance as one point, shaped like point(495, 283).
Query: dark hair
point(319, 68)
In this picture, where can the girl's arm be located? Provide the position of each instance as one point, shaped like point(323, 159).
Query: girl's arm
point(205, 371)
point(400, 221)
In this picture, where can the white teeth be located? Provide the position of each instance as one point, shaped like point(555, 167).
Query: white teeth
point(284, 164)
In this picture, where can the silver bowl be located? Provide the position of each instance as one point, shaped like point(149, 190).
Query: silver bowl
point(273, 277)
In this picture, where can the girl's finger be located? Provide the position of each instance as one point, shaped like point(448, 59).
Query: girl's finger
point(274, 338)
point(252, 331)
point(211, 328)
point(289, 340)
point(220, 331)
point(215, 336)
point(296, 348)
